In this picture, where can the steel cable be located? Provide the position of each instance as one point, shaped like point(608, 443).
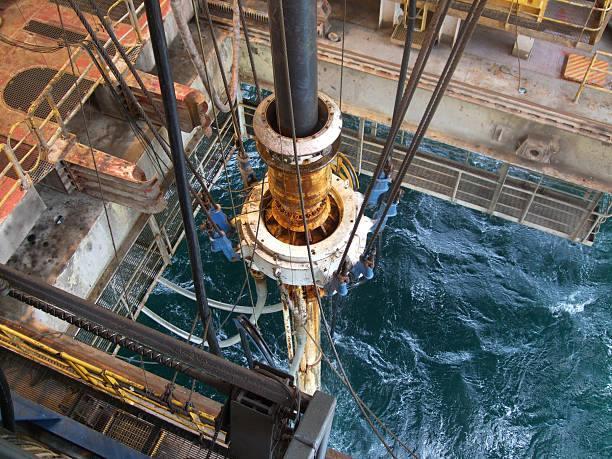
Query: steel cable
point(417, 70)
point(465, 34)
point(360, 404)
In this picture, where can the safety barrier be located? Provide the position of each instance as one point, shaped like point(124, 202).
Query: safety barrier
point(515, 193)
point(576, 19)
point(108, 382)
point(29, 141)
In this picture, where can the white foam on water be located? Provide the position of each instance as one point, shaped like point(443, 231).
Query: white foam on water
point(573, 304)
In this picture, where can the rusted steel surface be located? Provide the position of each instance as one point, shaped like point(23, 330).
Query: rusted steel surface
point(192, 106)
point(97, 173)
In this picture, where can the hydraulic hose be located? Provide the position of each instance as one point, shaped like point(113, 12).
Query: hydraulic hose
point(262, 293)
point(219, 304)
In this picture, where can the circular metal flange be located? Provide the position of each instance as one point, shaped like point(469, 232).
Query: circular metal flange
point(308, 148)
point(289, 263)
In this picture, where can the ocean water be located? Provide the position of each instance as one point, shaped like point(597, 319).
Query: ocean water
point(477, 337)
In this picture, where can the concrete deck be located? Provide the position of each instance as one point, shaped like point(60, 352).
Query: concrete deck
point(487, 63)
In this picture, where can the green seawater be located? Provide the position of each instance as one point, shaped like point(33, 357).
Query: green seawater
point(477, 337)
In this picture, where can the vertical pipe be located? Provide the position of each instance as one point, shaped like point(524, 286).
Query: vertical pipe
point(301, 37)
point(160, 51)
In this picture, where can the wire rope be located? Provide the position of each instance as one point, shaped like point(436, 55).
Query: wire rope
point(307, 239)
point(93, 157)
point(417, 70)
point(465, 34)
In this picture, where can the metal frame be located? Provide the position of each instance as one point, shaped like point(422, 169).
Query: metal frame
point(472, 180)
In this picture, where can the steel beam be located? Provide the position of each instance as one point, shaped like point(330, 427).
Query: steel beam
point(217, 367)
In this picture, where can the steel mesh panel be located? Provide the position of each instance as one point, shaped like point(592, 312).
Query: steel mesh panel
point(129, 430)
point(103, 6)
point(93, 413)
point(25, 378)
point(43, 168)
point(25, 87)
point(53, 32)
point(174, 447)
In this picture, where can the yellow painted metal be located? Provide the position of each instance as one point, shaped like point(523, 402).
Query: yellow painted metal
point(42, 134)
point(535, 10)
point(587, 75)
point(532, 8)
point(131, 12)
point(105, 380)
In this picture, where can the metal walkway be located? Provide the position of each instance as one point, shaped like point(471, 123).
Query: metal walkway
point(481, 183)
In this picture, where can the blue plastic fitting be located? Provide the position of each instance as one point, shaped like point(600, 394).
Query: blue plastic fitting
point(335, 286)
point(381, 186)
point(361, 269)
point(220, 219)
point(220, 243)
point(392, 213)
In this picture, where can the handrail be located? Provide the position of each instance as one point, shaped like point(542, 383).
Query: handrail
point(107, 381)
point(39, 135)
point(131, 12)
point(589, 72)
point(515, 9)
point(13, 163)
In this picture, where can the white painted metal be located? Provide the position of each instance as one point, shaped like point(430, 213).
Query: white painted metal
point(289, 263)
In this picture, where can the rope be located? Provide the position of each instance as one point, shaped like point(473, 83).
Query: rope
point(238, 137)
point(250, 51)
point(465, 34)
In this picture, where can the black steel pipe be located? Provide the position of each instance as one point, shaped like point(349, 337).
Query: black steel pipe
point(160, 51)
point(301, 38)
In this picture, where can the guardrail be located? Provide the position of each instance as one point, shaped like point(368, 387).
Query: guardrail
point(109, 382)
point(30, 140)
point(594, 72)
point(581, 18)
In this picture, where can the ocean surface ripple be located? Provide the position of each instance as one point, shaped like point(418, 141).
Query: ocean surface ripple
point(476, 338)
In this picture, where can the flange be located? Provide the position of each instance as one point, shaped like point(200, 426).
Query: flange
point(308, 148)
point(289, 263)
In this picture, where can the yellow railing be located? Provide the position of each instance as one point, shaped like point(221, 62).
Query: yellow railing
point(590, 72)
point(581, 17)
point(107, 381)
point(39, 135)
point(6, 186)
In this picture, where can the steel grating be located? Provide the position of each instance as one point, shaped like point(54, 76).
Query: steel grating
point(117, 13)
point(130, 285)
point(138, 429)
point(53, 32)
point(25, 87)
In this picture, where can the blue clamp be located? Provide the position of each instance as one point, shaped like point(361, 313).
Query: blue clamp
point(220, 219)
point(362, 269)
point(336, 286)
point(381, 186)
point(220, 243)
point(392, 213)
